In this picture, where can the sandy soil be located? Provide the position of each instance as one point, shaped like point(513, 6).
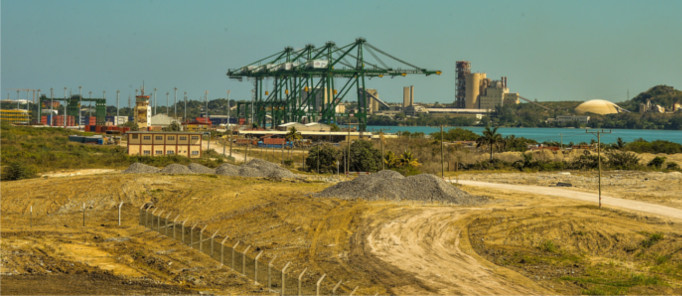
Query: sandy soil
point(421, 241)
point(381, 247)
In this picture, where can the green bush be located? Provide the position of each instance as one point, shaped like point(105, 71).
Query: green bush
point(622, 160)
point(16, 171)
point(657, 162)
point(672, 166)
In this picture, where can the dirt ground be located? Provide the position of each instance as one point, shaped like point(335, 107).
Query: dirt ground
point(380, 247)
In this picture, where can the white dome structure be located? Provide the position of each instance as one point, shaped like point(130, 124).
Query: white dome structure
point(597, 107)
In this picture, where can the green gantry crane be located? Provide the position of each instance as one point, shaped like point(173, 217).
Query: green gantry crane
point(73, 107)
point(306, 82)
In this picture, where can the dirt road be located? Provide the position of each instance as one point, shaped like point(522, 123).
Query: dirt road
point(426, 244)
point(584, 196)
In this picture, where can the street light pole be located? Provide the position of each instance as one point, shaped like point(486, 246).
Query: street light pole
point(175, 102)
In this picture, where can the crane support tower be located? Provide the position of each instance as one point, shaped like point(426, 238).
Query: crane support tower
point(309, 83)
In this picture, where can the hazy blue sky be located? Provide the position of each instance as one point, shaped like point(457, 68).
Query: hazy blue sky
point(549, 50)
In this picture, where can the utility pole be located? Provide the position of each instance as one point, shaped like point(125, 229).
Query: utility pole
point(227, 125)
point(561, 142)
point(598, 133)
point(442, 159)
point(185, 107)
point(381, 141)
point(175, 102)
point(80, 95)
point(167, 105)
point(154, 101)
point(348, 157)
point(117, 92)
point(206, 101)
point(89, 106)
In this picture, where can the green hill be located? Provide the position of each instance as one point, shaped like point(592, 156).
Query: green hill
point(662, 95)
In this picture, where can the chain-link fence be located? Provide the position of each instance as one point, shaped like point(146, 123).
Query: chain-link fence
point(236, 256)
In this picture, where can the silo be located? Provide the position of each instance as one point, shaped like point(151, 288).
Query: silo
point(473, 83)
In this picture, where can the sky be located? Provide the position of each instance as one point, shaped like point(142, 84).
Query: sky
point(549, 50)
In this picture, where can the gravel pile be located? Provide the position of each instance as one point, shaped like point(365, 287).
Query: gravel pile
point(176, 169)
point(227, 169)
point(200, 169)
point(255, 168)
point(390, 185)
point(139, 168)
point(267, 169)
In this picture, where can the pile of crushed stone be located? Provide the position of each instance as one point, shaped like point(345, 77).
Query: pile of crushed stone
point(140, 168)
point(200, 169)
point(255, 168)
point(391, 185)
point(176, 169)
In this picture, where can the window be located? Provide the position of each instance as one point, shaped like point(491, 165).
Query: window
point(183, 138)
point(159, 138)
point(195, 137)
point(159, 151)
point(147, 152)
point(135, 136)
point(147, 137)
point(169, 152)
point(171, 138)
point(195, 152)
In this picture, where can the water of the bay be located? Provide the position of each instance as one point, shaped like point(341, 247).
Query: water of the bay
point(565, 135)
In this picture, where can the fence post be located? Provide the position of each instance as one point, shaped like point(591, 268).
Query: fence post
point(146, 217)
point(284, 278)
point(317, 285)
point(353, 292)
point(336, 287)
point(83, 214)
point(183, 230)
point(31, 218)
point(212, 239)
point(201, 238)
point(139, 219)
point(222, 251)
point(233, 248)
point(158, 222)
point(165, 224)
point(269, 268)
point(119, 213)
point(300, 277)
point(191, 235)
point(244, 260)
point(255, 267)
point(151, 225)
point(175, 220)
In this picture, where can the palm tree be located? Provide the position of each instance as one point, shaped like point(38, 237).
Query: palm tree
point(491, 138)
point(293, 135)
point(408, 160)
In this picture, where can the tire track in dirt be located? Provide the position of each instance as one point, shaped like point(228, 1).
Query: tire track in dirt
point(426, 244)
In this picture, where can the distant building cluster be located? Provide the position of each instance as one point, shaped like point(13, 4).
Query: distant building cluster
point(476, 91)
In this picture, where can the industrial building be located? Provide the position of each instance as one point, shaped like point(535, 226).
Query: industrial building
point(476, 91)
point(597, 107)
point(164, 143)
point(408, 96)
point(15, 116)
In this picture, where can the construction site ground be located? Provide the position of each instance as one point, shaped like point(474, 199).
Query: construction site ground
point(518, 243)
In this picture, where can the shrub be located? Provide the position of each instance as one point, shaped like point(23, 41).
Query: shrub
point(672, 166)
point(622, 160)
point(657, 162)
point(17, 171)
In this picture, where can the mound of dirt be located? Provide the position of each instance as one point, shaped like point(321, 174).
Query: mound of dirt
point(139, 168)
point(390, 185)
point(200, 169)
point(176, 169)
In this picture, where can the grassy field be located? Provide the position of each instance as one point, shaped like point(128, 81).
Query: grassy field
point(47, 149)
